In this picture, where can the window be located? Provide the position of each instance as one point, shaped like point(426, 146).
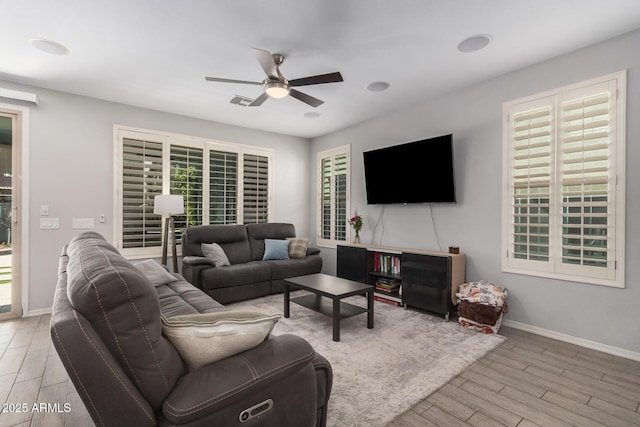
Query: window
point(221, 184)
point(564, 170)
point(333, 195)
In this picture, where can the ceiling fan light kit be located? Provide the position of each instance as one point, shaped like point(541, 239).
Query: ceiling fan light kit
point(276, 86)
point(277, 89)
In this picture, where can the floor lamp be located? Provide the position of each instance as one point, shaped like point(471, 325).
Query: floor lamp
point(169, 204)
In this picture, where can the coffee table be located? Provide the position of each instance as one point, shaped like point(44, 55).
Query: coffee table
point(327, 293)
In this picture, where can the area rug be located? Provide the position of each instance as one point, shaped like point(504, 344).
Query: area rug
point(380, 373)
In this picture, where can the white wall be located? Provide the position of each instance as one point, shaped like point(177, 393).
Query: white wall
point(71, 171)
point(474, 116)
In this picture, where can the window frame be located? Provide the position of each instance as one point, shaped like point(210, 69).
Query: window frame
point(332, 154)
point(168, 140)
point(614, 274)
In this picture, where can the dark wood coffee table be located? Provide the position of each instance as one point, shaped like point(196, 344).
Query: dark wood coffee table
point(327, 293)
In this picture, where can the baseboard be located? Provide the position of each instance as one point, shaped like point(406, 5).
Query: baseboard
point(39, 312)
point(593, 345)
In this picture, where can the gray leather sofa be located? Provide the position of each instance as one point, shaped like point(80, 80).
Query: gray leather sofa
point(106, 327)
point(248, 276)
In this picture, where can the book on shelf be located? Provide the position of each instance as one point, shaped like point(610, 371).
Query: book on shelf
point(388, 286)
point(386, 264)
point(386, 300)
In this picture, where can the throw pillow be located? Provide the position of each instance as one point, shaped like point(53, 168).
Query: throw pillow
point(214, 252)
point(298, 246)
point(205, 338)
point(276, 249)
point(155, 272)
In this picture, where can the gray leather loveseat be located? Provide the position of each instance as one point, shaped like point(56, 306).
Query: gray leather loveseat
point(248, 276)
point(106, 327)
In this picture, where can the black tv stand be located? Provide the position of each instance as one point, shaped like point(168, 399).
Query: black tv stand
point(428, 280)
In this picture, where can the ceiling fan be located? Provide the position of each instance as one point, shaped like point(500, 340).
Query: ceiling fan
point(276, 86)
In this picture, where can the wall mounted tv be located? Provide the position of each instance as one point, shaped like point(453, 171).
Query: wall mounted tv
point(414, 172)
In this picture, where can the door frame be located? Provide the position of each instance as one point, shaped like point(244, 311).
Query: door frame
point(20, 172)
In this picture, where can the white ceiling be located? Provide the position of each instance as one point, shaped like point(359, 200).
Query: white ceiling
point(156, 53)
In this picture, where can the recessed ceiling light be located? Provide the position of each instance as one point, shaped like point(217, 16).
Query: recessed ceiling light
point(378, 86)
point(474, 43)
point(312, 115)
point(49, 46)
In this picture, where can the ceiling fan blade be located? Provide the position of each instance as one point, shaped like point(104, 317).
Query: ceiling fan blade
point(266, 62)
point(316, 80)
point(307, 99)
point(244, 82)
point(259, 100)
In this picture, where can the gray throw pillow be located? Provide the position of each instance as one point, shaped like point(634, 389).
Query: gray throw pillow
point(155, 272)
point(214, 252)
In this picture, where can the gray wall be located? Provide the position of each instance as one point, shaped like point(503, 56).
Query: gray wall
point(474, 116)
point(71, 171)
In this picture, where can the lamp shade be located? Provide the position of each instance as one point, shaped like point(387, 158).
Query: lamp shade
point(168, 204)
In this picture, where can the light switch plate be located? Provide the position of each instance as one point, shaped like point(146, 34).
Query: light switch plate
point(49, 223)
point(83, 223)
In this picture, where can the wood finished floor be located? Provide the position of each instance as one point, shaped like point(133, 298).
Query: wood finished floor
point(527, 381)
point(535, 381)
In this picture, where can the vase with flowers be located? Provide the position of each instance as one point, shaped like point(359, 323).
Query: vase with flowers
point(356, 222)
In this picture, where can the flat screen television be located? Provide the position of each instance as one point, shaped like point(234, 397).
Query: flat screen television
point(414, 172)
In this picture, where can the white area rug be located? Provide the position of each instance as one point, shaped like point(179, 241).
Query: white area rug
point(379, 373)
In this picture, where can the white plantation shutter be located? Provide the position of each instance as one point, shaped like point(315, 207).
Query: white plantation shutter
point(531, 167)
point(223, 187)
point(340, 167)
point(564, 154)
point(588, 181)
point(255, 189)
point(186, 166)
point(333, 194)
point(141, 181)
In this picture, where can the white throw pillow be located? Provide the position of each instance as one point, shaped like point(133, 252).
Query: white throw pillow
point(214, 252)
point(205, 338)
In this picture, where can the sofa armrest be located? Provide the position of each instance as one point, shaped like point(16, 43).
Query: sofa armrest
point(279, 369)
point(197, 260)
point(192, 268)
point(324, 376)
point(312, 250)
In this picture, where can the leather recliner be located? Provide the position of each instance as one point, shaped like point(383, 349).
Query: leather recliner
point(106, 328)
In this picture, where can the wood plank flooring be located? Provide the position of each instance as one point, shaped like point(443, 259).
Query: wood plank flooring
point(535, 381)
point(528, 381)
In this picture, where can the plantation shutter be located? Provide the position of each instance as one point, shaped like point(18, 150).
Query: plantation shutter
point(186, 180)
point(340, 197)
point(333, 195)
point(223, 187)
point(255, 189)
point(588, 184)
point(532, 140)
point(141, 182)
point(564, 153)
point(326, 197)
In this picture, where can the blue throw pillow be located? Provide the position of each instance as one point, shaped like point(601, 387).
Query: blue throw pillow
point(276, 249)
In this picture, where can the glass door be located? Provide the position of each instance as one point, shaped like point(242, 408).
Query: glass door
point(10, 290)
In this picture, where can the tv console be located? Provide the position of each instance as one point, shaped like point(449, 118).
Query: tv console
point(418, 278)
